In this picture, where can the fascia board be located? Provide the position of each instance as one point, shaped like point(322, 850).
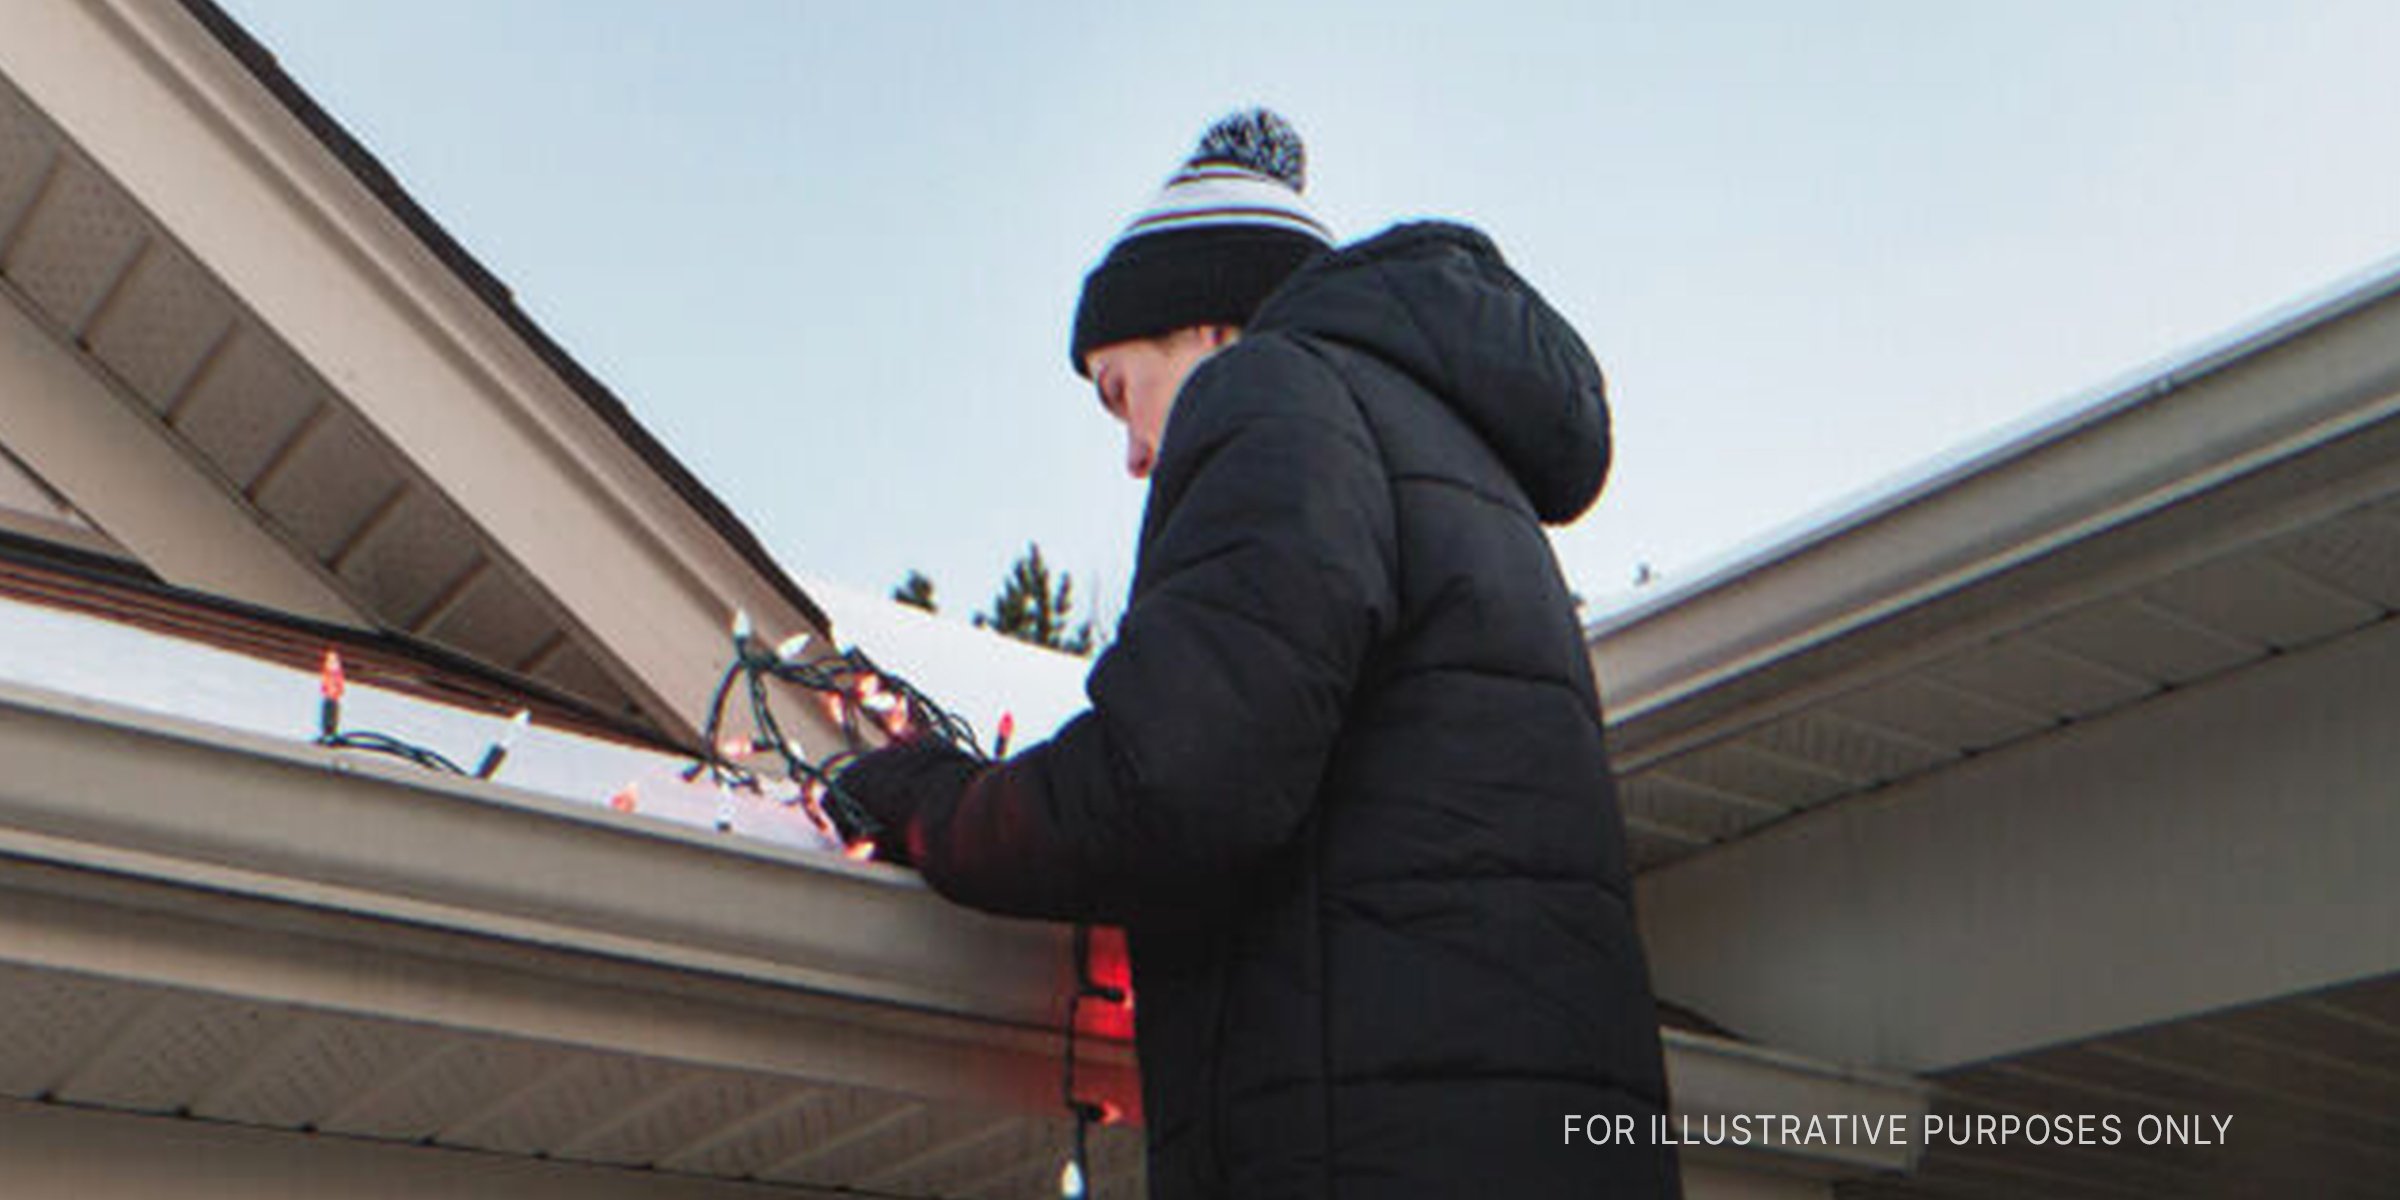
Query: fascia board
point(160, 104)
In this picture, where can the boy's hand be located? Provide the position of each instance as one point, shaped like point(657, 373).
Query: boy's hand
point(894, 783)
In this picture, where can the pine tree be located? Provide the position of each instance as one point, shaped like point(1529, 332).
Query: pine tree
point(1031, 608)
point(915, 591)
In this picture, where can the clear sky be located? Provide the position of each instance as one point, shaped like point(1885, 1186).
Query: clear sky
point(829, 252)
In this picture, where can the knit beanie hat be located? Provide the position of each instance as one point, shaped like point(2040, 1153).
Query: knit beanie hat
point(1224, 231)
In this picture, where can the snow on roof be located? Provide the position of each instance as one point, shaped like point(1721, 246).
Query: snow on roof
point(974, 673)
point(99, 659)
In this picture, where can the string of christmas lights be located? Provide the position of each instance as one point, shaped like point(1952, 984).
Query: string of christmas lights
point(1074, 1177)
point(855, 693)
point(332, 683)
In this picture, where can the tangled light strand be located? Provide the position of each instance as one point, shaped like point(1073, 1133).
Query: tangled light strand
point(856, 692)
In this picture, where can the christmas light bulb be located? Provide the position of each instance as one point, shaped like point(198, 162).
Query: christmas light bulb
point(330, 685)
point(812, 805)
point(790, 649)
point(1070, 1182)
point(860, 850)
point(741, 625)
point(627, 798)
point(1008, 729)
point(735, 747)
point(498, 753)
point(724, 808)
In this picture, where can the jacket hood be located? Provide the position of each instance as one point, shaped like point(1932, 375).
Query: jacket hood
point(1437, 301)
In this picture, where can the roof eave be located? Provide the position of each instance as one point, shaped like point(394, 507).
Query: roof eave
point(2233, 406)
point(495, 295)
point(642, 567)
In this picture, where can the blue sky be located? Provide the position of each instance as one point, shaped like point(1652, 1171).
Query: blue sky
point(829, 252)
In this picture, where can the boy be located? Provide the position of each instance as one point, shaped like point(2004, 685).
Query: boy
point(1342, 779)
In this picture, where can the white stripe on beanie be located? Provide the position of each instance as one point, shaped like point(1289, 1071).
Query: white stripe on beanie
point(1224, 194)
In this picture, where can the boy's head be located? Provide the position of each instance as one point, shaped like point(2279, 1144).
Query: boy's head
point(1192, 266)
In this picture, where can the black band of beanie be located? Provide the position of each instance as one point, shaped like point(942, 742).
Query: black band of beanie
point(1161, 282)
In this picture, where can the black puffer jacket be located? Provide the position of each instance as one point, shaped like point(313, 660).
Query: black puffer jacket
point(1342, 778)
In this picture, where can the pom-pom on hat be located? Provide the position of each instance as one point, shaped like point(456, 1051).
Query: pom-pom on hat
point(1224, 232)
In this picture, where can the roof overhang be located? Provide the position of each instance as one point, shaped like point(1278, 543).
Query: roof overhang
point(2230, 506)
point(270, 376)
point(241, 929)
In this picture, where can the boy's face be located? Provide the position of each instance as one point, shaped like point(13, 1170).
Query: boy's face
point(1138, 381)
